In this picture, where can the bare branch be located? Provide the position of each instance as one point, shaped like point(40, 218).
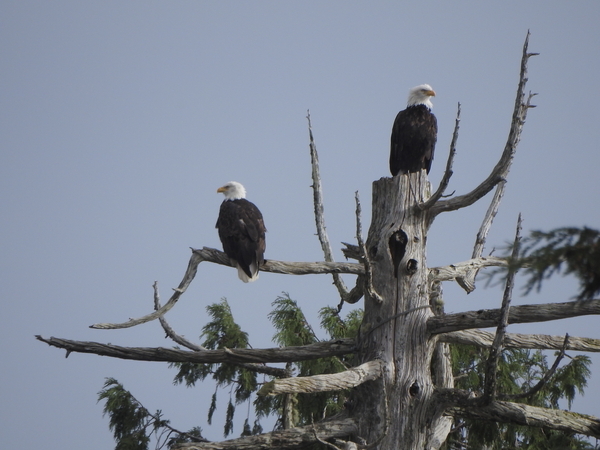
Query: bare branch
point(352, 251)
point(458, 270)
point(467, 282)
point(328, 444)
point(189, 275)
point(448, 172)
point(491, 370)
point(365, 257)
point(258, 368)
point(216, 256)
point(319, 211)
point(515, 340)
point(500, 171)
point(285, 267)
point(356, 293)
point(324, 383)
point(534, 390)
point(521, 414)
point(168, 330)
point(279, 440)
point(518, 314)
point(239, 355)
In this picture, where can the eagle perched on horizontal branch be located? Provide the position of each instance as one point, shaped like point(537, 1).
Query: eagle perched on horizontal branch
point(242, 231)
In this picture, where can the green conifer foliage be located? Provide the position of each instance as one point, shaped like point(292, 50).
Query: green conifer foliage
point(566, 250)
point(518, 372)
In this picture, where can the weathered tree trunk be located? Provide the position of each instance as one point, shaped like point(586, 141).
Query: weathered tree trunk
point(396, 409)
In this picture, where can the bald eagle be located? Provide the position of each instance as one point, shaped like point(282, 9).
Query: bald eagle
point(414, 133)
point(242, 231)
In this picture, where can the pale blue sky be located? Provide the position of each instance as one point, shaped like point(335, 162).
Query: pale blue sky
point(119, 120)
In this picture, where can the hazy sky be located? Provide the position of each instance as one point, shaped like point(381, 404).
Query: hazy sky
point(119, 120)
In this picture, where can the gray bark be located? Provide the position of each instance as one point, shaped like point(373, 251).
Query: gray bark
point(395, 330)
point(516, 340)
point(324, 383)
point(518, 314)
point(238, 355)
point(518, 413)
point(286, 439)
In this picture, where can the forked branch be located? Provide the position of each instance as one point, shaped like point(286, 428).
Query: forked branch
point(189, 275)
point(458, 270)
point(168, 330)
point(500, 171)
point(218, 257)
point(467, 282)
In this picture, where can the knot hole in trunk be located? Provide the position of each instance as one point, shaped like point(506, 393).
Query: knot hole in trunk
point(397, 245)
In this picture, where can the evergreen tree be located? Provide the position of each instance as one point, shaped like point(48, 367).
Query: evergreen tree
point(568, 250)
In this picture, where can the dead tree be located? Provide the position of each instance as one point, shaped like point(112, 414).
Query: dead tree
point(402, 383)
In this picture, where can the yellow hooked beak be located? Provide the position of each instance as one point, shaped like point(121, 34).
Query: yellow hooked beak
point(222, 189)
point(430, 93)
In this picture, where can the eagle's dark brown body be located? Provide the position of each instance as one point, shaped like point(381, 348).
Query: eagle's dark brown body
point(414, 135)
point(242, 233)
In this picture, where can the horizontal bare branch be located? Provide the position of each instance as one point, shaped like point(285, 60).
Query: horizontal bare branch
point(515, 340)
point(284, 439)
point(239, 355)
point(458, 270)
point(285, 267)
point(518, 413)
point(324, 383)
point(518, 314)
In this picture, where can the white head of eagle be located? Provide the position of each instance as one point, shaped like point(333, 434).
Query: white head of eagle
point(414, 133)
point(242, 231)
